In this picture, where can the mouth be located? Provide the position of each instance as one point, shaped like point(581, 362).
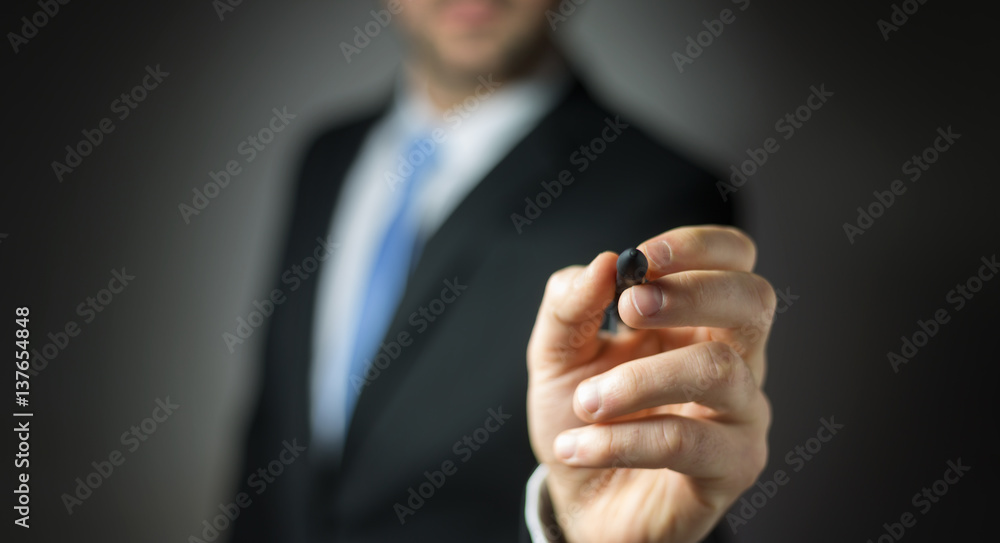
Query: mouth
point(466, 13)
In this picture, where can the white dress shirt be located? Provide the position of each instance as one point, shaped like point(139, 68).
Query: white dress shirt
point(471, 139)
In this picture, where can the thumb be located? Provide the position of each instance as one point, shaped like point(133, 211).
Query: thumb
point(571, 312)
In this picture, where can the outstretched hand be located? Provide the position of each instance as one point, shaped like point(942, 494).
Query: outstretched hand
point(651, 434)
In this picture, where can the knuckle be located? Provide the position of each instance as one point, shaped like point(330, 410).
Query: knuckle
point(689, 242)
point(742, 236)
point(692, 292)
point(765, 411)
point(755, 462)
point(717, 364)
point(756, 452)
point(558, 280)
point(746, 471)
point(744, 239)
point(764, 293)
point(674, 439)
point(617, 439)
point(626, 384)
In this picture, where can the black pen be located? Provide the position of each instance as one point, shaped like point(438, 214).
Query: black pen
point(632, 267)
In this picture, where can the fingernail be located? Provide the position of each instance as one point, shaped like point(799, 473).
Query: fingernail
point(660, 253)
point(647, 299)
point(566, 446)
point(589, 396)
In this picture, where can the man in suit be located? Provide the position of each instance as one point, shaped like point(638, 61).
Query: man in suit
point(399, 365)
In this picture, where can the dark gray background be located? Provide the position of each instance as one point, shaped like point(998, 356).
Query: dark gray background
point(162, 336)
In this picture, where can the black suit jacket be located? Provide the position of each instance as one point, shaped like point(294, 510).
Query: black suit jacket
point(466, 366)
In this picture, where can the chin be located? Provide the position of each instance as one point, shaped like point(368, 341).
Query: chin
point(473, 60)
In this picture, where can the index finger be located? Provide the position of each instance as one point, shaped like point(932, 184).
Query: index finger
point(707, 247)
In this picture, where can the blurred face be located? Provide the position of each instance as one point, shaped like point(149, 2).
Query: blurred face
point(468, 38)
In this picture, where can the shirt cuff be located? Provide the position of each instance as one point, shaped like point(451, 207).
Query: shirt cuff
point(538, 512)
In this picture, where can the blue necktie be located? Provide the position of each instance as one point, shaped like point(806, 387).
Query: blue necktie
point(387, 279)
